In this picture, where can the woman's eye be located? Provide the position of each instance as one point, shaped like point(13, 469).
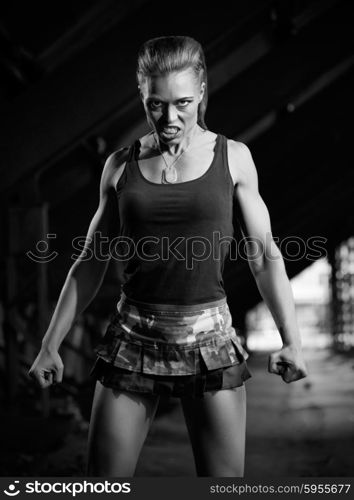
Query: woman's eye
point(155, 104)
point(183, 104)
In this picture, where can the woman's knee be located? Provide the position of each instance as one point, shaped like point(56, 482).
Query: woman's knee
point(111, 462)
point(218, 458)
point(220, 469)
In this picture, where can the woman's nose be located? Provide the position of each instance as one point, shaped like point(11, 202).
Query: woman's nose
point(171, 113)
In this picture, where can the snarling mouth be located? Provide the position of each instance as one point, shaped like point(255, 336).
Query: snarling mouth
point(170, 130)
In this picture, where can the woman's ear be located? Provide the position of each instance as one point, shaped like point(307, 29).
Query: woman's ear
point(141, 93)
point(202, 90)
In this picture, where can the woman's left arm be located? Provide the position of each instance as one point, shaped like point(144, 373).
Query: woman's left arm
point(266, 263)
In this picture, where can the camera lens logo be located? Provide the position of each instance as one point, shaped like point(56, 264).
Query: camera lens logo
point(13, 491)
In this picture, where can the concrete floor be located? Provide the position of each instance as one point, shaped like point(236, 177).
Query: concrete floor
point(301, 429)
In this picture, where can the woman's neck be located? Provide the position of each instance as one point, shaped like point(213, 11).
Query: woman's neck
point(182, 145)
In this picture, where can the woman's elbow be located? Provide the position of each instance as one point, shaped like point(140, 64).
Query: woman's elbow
point(89, 270)
point(270, 258)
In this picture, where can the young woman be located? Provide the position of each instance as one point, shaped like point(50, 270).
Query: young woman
point(171, 199)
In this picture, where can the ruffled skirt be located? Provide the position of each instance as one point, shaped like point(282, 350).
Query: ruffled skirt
point(175, 350)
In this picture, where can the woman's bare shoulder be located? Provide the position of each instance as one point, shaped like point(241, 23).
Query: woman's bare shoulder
point(240, 160)
point(147, 146)
point(207, 137)
point(114, 166)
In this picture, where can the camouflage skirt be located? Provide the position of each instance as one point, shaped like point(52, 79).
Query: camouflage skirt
point(170, 349)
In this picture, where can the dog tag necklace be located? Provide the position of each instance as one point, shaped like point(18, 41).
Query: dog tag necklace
point(169, 174)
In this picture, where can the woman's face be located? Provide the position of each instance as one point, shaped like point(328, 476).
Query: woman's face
point(171, 104)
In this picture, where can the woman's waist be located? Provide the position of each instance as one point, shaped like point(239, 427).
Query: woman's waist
point(183, 325)
point(178, 336)
point(172, 309)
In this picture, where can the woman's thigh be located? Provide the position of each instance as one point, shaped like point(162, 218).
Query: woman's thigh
point(217, 429)
point(119, 423)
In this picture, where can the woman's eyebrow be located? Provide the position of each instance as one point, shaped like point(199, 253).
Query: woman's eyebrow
point(157, 98)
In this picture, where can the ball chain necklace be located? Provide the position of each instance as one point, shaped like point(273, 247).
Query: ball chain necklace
point(169, 174)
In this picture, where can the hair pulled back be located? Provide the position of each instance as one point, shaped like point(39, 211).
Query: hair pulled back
point(167, 54)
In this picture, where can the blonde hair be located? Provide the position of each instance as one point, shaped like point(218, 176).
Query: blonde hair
point(166, 54)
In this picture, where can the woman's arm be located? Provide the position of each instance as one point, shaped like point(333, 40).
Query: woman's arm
point(266, 263)
point(84, 277)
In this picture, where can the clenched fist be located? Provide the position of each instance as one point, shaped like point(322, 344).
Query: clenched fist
point(47, 368)
point(289, 363)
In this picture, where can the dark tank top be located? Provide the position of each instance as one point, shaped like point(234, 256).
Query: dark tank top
point(174, 238)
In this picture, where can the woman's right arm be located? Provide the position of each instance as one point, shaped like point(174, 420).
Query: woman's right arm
point(84, 277)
